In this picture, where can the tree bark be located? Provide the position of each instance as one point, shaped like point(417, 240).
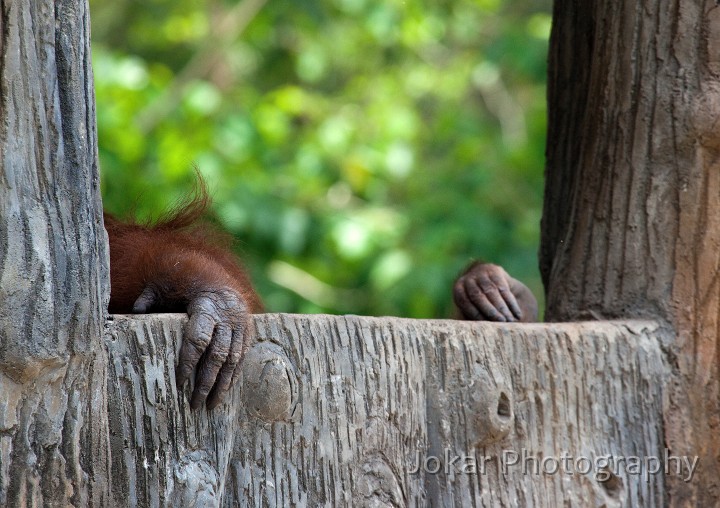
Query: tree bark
point(631, 225)
point(53, 261)
point(335, 411)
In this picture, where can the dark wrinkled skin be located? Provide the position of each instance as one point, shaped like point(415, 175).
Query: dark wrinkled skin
point(216, 338)
point(181, 264)
point(486, 292)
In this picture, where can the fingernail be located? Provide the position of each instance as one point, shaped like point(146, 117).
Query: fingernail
point(197, 401)
point(213, 401)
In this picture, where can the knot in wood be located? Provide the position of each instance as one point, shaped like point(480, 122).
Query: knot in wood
point(195, 481)
point(377, 485)
point(270, 386)
point(491, 405)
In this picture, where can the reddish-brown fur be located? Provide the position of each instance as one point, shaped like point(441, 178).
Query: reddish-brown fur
point(177, 255)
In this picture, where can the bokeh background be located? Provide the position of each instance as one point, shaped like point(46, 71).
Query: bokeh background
point(360, 152)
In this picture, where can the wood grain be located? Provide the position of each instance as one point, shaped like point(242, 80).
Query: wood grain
point(350, 402)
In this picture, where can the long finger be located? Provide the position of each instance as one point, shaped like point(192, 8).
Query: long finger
point(512, 303)
point(247, 341)
point(483, 304)
point(226, 377)
point(469, 311)
point(504, 289)
point(198, 334)
point(490, 286)
point(496, 299)
point(212, 362)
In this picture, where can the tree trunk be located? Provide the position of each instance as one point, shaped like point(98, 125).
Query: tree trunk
point(53, 261)
point(631, 225)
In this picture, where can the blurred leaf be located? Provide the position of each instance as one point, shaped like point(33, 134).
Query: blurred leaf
point(361, 152)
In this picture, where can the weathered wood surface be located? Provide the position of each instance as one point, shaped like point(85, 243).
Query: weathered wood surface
point(333, 411)
point(631, 224)
point(53, 261)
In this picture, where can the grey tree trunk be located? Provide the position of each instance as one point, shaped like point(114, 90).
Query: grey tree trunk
point(339, 410)
point(631, 225)
point(53, 262)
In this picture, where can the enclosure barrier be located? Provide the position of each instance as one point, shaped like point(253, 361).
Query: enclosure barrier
point(350, 410)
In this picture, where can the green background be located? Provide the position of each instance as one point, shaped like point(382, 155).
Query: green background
point(361, 153)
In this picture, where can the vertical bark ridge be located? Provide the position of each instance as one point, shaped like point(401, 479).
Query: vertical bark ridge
point(53, 261)
point(642, 236)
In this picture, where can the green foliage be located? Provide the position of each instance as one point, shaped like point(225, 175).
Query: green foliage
point(361, 152)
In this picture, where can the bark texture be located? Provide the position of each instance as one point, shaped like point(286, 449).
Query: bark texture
point(53, 261)
point(334, 411)
point(631, 225)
